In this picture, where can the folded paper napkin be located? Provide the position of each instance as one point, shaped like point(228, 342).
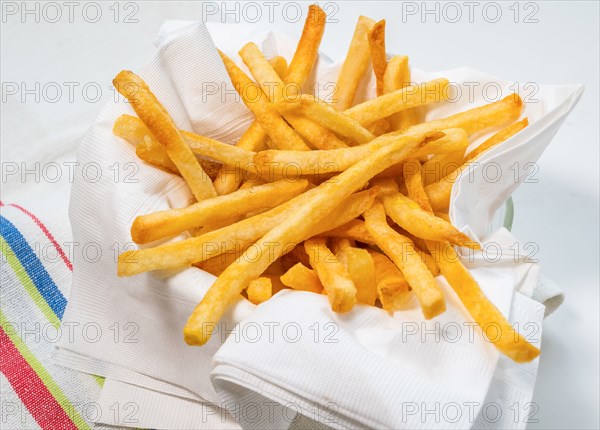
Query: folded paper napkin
point(290, 359)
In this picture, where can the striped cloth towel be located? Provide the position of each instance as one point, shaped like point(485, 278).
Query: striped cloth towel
point(36, 268)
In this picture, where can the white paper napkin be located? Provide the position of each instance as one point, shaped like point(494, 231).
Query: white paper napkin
point(151, 309)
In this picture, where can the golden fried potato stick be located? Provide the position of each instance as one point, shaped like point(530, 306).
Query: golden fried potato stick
point(401, 251)
point(354, 229)
point(361, 269)
point(315, 134)
point(483, 312)
point(239, 235)
point(378, 56)
point(298, 226)
point(260, 290)
point(229, 177)
point(407, 214)
point(308, 46)
point(354, 67)
point(479, 307)
point(301, 278)
point(277, 90)
point(502, 135)
point(158, 120)
point(336, 280)
point(325, 161)
point(273, 124)
point(279, 64)
point(327, 116)
point(413, 172)
point(397, 76)
point(367, 112)
point(392, 289)
point(170, 222)
point(439, 192)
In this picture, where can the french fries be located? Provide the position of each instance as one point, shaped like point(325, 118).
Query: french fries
point(157, 119)
point(336, 280)
point(260, 290)
point(302, 200)
point(158, 225)
point(378, 57)
point(361, 269)
point(439, 192)
point(273, 124)
point(354, 67)
point(509, 342)
point(301, 278)
point(397, 76)
point(401, 250)
point(392, 289)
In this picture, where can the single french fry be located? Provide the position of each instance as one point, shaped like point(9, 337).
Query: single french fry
point(279, 64)
point(412, 96)
point(157, 119)
point(308, 46)
point(492, 115)
point(414, 184)
point(315, 134)
point(327, 116)
point(260, 290)
point(361, 269)
point(229, 178)
point(439, 192)
point(354, 229)
point(397, 76)
point(483, 312)
point(502, 135)
point(240, 235)
point(378, 56)
point(407, 214)
point(301, 278)
point(336, 280)
point(392, 289)
point(354, 67)
point(298, 226)
point(170, 222)
point(325, 161)
point(401, 251)
point(427, 259)
point(253, 97)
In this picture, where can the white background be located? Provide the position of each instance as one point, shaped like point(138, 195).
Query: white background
point(559, 212)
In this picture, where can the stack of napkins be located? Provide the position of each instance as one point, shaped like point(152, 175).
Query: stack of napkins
point(290, 361)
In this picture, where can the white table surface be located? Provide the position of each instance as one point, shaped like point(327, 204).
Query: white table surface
point(559, 213)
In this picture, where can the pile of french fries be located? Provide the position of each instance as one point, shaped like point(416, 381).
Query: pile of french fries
point(331, 197)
